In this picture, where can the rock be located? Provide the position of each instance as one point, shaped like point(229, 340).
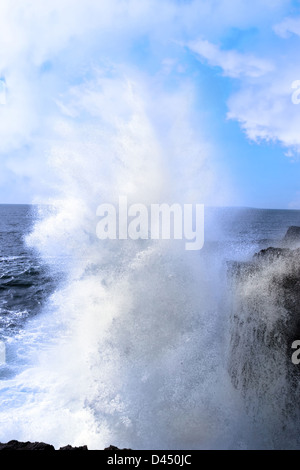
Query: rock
point(113, 448)
point(273, 275)
point(68, 447)
point(16, 445)
point(292, 235)
point(272, 253)
point(265, 320)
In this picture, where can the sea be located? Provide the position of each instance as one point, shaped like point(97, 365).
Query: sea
point(128, 342)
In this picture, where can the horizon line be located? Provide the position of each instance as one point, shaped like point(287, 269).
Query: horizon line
point(207, 206)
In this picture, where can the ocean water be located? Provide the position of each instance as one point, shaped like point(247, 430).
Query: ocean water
point(128, 342)
point(25, 283)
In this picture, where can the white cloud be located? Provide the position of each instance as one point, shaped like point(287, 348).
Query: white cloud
point(287, 27)
point(2, 92)
point(213, 18)
point(265, 107)
point(264, 103)
point(233, 63)
point(47, 48)
point(71, 39)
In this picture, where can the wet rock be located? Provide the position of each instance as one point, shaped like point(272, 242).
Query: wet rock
point(265, 320)
point(292, 235)
point(271, 253)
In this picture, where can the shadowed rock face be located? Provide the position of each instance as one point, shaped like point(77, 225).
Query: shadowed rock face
point(16, 445)
point(265, 320)
point(278, 270)
point(292, 235)
point(68, 447)
point(113, 448)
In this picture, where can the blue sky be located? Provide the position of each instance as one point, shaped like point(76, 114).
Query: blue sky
point(210, 80)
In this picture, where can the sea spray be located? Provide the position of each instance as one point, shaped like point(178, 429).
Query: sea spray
point(264, 323)
point(129, 348)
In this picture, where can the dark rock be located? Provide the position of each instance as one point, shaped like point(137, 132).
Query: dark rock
point(279, 270)
point(265, 320)
point(292, 235)
point(16, 445)
point(272, 253)
point(113, 448)
point(68, 447)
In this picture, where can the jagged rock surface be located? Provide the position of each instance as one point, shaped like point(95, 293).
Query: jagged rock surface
point(265, 320)
point(17, 445)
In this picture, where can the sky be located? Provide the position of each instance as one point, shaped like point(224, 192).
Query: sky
point(212, 76)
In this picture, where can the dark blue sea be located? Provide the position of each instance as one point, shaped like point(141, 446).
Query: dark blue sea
point(25, 282)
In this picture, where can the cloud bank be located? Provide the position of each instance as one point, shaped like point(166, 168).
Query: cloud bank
point(59, 62)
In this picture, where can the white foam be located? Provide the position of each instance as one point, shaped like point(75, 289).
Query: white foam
point(128, 350)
